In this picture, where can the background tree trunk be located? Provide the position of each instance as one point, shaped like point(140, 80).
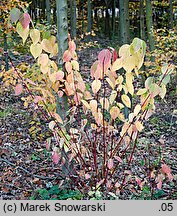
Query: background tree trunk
point(124, 22)
point(48, 11)
point(89, 16)
point(142, 27)
point(113, 18)
point(149, 25)
point(73, 18)
point(170, 14)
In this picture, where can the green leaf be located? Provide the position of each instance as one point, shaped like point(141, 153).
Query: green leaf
point(15, 15)
point(149, 82)
point(166, 80)
point(22, 32)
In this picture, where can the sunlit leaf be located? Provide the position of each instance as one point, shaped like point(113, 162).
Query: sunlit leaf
point(163, 91)
point(104, 102)
point(137, 109)
point(139, 126)
point(112, 96)
point(141, 91)
point(47, 46)
point(96, 85)
point(18, 89)
point(110, 163)
point(126, 100)
point(114, 112)
point(86, 104)
point(43, 60)
point(22, 32)
point(117, 64)
point(93, 105)
point(36, 50)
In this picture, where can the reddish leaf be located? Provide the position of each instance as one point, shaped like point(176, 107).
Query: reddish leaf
point(72, 46)
point(159, 185)
point(166, 169)
point(18, 89)
point(114, 55)
point(104, 56)
point(25, 20)
point(67, 56)
point(55, 157)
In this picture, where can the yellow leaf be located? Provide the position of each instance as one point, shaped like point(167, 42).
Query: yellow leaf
point(124, 129)
point(130, 117)
point(130, 88)
point(57, 117)
point(36, 50)
point(119, 80)
point(139, 126)
point(112, 96)
point(141, 91)
point(23, 32)
point(104, 102)
point(162, 91)
point(112, 84)
point(55, 50)
point(75, 65)
point(43, 60)
point(93, 105)
point(114, 112)
point(96, 85)
point(54, 65)
point(47, 46)
point(120, 105)
point(86, 104)
point(137, 109)
point(35, 35)
point(126, 100)
point(117, 64)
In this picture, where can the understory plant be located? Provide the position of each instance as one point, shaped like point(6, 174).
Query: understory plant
point(95, 141)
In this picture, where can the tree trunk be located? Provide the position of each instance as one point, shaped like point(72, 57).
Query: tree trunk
point(113, 18)
point(124, 22)
point(5, 51)
point(170, 14)
point(48, 11)
point(62, 29)
point(142, 27)
point(149, 25)
point(73, 18)
point(89, 16)
point(107, 23)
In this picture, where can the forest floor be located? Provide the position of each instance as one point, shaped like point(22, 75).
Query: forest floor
point(25, 165)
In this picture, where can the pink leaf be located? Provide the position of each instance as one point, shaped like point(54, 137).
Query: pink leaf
point(60, 94)
point(159, 185)
point(105, 56)
point(110, 163)
point(166, 169)
point(67, 56)
point(18, 89)
point(87, 176)
point(55, 157)
point(72, 46)
point(25, 20)
point(118, 159)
